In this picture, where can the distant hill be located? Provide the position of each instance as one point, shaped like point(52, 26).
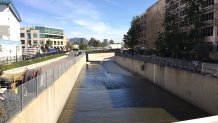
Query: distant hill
point(79, 40)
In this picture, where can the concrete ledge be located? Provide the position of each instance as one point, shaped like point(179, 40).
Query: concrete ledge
point(21, 69)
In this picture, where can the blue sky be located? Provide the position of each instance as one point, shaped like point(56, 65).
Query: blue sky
point(100, 19)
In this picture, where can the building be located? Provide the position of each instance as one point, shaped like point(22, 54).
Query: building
point(151, 24)
point(39, 36)
point(209, 31)
point(155, 17)
point(10, 19)
point(142, 34)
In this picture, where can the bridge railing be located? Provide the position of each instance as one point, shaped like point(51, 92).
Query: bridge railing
point(191, 66)
point(14, 101)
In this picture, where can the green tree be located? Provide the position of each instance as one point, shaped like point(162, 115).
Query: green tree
point(104, 44)
point(69, 46)
point(48, 44)
point(132, 36)
point(94, 43)
point(111, 41)
point(82, 46)
point(176, 41)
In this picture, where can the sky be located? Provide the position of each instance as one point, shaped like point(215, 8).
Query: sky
point(101, 19)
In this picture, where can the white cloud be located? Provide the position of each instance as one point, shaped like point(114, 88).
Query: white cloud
point(78, 17)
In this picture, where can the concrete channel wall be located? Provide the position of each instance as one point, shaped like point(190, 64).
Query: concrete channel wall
point(99, 56)
point(47, 107)
point(197, 89)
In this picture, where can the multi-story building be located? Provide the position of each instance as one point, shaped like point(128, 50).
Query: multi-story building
point(39, 36)
point(142, 34)
point(210, 20)
point(9, 30)
point(151, 24)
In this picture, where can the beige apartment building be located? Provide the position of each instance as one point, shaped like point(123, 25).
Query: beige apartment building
point(37, 36)
point(151, 24)
point(210, 20)
point(155, 16)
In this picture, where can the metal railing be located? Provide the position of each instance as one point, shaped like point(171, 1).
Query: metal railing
point(191, 66)
point(13, 102)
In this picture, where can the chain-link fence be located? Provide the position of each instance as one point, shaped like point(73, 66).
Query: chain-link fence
point(191, 66)
point(14, 101)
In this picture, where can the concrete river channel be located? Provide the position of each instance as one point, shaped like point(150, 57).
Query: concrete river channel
point(106, 93)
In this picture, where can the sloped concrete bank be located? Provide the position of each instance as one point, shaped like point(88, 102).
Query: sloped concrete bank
point(202, 91)
point(47, 107)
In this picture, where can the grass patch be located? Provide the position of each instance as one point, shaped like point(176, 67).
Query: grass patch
point(29, 62)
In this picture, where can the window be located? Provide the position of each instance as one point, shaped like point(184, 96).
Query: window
point(208, 17)
point(207, 3)
point(58, 42)
point(22, 41)
point(0, 48)
point(207, 31)
point(28, 36)
point(42, 36)
point(61, 42)
point(35, 35)
point(22, 35)
point(35, 42)
point(55, 43)
point(29, 43)
point(41, 42)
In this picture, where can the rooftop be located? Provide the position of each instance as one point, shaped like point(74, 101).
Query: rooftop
point(12, 8)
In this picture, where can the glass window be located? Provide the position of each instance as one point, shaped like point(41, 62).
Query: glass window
point(42, 36)
point(35, 42)
point(41, 42)
point(61, 42)
point(22, 35)
point(35, 35)
point(207, 31)
point(58, 42)
point(55, 43)
point(22, 41)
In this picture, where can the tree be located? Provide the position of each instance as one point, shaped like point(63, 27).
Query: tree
point(48, 44)
point(93, 42)
point(69, 46)
point(111, 42)
point(82, 46)
point(177, 41)
point(132, 36)
point(104, 43)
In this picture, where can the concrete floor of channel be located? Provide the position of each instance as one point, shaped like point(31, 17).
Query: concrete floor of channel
point(106, 93)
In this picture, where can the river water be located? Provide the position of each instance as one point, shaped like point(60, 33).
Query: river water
point(106, 93)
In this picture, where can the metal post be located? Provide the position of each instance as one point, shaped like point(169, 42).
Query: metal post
point(46, 79)
point(21, 97)
point(37, 86)
point(53, 76)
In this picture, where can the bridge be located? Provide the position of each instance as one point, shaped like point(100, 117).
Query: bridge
point(100, 91)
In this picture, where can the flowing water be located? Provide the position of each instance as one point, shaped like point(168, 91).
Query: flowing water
point(106, 93)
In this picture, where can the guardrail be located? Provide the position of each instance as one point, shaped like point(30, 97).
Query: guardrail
point(191, 66)
point(13, 102)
